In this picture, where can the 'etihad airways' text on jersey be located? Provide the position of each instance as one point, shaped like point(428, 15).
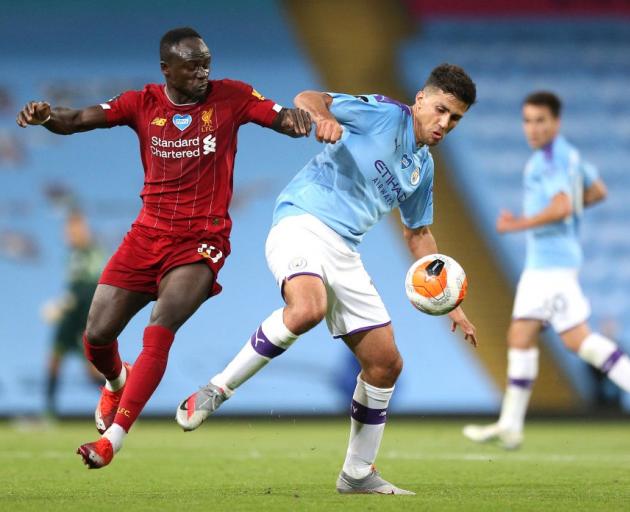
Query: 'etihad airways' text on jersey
point(375, 167)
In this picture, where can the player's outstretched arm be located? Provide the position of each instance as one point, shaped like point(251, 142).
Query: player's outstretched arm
point(421, 242)
point(317, 104)
point(63, 121)
point(595, 193)
point(293, 122)
point(558, 209)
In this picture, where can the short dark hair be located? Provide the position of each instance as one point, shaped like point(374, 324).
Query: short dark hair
point(545, 99)
point(452, 79)
point(174, 36)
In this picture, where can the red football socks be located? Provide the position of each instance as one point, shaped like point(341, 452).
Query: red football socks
point(146, 375)
point(105, 358)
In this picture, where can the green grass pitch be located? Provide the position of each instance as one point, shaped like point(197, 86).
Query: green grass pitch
point(230, 465)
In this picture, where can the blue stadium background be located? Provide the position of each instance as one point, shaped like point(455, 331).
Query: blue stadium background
point(81, 56)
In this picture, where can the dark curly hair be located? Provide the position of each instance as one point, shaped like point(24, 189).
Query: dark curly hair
point(452, 79)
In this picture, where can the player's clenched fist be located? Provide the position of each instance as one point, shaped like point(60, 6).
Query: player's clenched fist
point(34, 112)
point(328, 130)
point(295, 122)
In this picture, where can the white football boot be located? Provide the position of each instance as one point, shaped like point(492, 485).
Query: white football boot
point(197, 407)
point(507, 439)
point(371, 484)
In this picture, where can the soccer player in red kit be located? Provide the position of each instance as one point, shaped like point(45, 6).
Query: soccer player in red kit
point(177, 245)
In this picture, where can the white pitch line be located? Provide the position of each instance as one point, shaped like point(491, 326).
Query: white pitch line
point(14, 454)
point(393, 455)
point(524, 457)
point(48, 454)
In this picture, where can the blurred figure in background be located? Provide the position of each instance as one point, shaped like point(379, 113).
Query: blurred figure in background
point(69, 312)
point(607, 396)
point(558, 185)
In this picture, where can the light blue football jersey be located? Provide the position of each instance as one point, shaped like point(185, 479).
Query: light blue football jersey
point(375, 167)
point(551, 170)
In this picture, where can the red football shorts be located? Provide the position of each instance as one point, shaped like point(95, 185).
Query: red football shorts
point(146, 255)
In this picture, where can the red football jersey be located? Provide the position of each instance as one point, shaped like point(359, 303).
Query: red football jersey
point(188, 151)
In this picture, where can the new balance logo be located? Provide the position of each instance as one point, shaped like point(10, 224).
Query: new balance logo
point(209, 144)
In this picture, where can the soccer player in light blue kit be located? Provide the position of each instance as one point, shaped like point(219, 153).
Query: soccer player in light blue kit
point(558, 184)
point(377, 158)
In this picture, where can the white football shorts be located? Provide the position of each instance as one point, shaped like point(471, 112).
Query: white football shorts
point(303, 245)
point(552, 295)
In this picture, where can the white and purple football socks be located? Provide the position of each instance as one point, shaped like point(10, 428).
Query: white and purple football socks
point(368, 415)
point(597, 350)
point(606, 355)
point(522, 372)
point(270, 340)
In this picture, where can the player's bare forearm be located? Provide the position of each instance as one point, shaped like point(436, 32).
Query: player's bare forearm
point(595, 193)
point(293, 122)
point(317, 104)
point(459, 319)
point(66, 121)
point(420, 241)
point(558, 209)
point(60, 120)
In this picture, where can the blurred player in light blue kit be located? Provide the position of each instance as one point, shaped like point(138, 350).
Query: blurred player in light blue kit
point(558, 185)
point(377, 159)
